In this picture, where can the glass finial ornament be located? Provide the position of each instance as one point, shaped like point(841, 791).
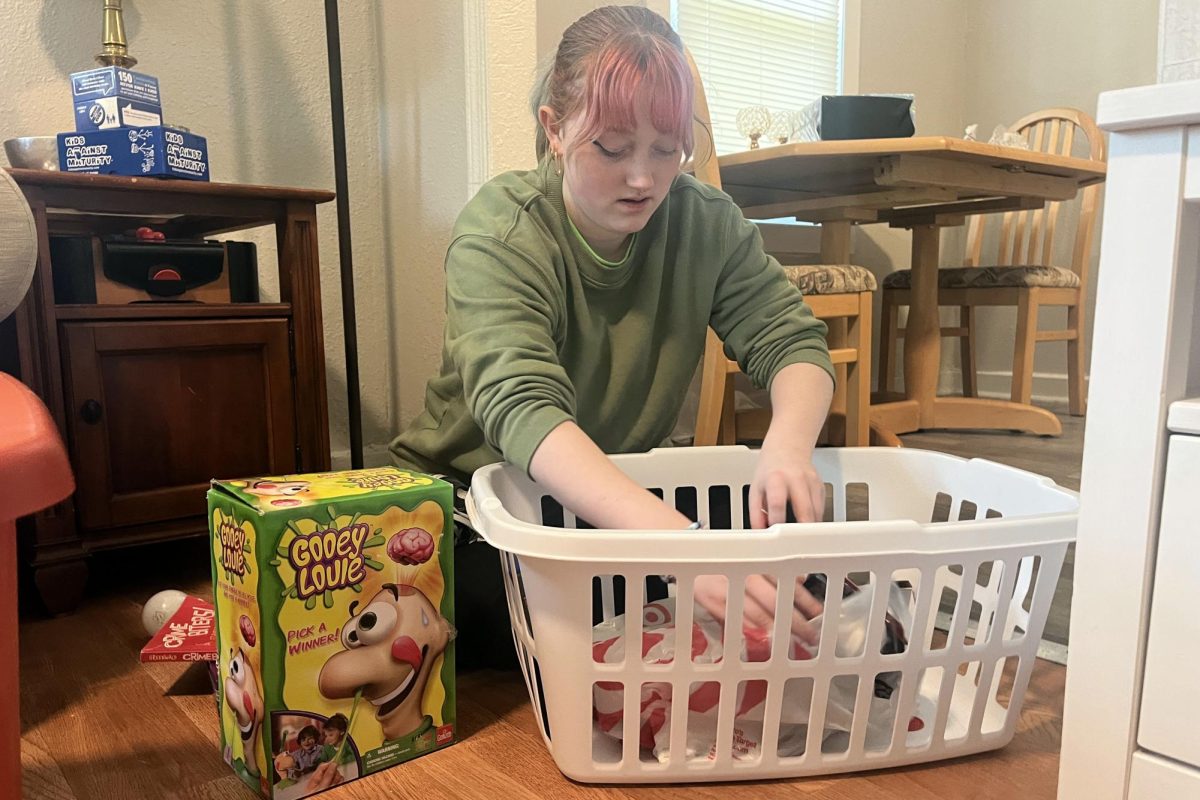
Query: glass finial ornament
point(782, 126)
point(753, 122)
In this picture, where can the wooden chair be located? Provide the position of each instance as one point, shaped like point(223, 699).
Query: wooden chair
point(1026, 276)
point(838, 294)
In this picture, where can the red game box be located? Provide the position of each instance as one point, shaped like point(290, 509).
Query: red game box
point(189, 635)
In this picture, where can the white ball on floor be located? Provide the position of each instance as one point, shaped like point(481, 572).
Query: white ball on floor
point(160, 608)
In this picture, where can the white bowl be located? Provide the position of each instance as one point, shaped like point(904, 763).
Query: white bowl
point(32, 152)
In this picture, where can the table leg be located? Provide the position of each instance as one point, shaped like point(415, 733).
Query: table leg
point(835, 249)
point(923, 409)
point(835, 242)
point(922, 334)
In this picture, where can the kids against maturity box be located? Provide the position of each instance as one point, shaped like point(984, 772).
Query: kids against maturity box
point(154, 150)
point(335, 608)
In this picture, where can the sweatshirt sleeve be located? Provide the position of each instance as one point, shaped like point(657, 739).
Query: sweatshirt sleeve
point(502, 311)
point(759, 315)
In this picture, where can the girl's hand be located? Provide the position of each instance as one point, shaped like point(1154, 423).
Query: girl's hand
point(758, 607)
point(785, 473)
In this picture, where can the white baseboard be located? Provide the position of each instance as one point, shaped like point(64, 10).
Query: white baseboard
point(1051, 651)
point(1049, 388)
point(374, 455)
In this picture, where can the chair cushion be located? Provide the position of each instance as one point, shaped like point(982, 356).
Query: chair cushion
point(831, 279)
point(991, 278)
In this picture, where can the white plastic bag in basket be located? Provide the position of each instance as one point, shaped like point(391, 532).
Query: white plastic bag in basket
point(706, 648)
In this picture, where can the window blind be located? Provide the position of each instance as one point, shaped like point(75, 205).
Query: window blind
point(781, 54)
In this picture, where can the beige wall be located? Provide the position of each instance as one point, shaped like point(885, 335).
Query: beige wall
point(1178, 40)
point(991, 63)
point(1023, 55)
point(423, 138)
point(918, 47)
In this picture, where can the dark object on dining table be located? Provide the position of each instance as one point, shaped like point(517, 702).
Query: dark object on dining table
point(865, 117)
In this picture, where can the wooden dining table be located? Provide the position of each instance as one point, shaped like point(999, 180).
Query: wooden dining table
point(922, 184)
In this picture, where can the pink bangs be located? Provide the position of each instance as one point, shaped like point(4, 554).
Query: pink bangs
point(636, 68)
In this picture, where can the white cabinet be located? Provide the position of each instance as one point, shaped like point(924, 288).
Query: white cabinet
point(1133, 669)
point(1170, 718)
point(1154, 778)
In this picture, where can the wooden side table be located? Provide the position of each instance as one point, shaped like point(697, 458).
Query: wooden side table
point(154, 399)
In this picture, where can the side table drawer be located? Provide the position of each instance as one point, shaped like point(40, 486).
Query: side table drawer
point(1170, 700)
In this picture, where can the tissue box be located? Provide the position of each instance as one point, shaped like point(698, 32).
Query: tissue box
point(335, 608)
point(153, 150)
point(112, 97)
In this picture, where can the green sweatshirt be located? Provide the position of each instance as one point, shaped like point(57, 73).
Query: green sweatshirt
point(539, 330)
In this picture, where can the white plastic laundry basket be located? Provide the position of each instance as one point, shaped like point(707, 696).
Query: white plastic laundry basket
point(978, 547)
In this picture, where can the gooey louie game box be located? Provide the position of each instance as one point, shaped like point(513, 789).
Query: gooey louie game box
point(335, 609)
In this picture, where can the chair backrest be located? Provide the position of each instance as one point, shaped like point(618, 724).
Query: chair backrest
point(1027, 237)
point(704, 156)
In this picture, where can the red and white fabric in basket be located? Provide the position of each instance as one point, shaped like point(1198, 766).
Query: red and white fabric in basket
point(658, 640)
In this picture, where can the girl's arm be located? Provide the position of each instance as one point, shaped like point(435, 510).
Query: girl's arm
point(581, 477)
point(800, 397)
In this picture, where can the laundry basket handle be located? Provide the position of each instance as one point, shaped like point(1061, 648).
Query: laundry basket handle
point(478, 520)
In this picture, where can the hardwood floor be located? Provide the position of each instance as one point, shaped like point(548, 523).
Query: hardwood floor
point(98, 725)
point(1056, 457)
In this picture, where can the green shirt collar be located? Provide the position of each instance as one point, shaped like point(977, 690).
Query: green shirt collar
point(595, 270)
point(591, 251)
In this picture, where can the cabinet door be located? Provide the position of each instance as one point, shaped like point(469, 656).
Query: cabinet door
point(1154, 778)
point(158, 409)
point(1170, 710)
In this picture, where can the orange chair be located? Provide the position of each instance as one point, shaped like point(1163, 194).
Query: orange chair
point(34, 474)
point(34, 470)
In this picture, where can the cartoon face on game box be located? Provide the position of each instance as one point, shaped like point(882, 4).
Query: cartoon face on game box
point(334, 598)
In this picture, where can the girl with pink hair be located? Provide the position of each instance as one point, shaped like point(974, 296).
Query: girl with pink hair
point(578, 298)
